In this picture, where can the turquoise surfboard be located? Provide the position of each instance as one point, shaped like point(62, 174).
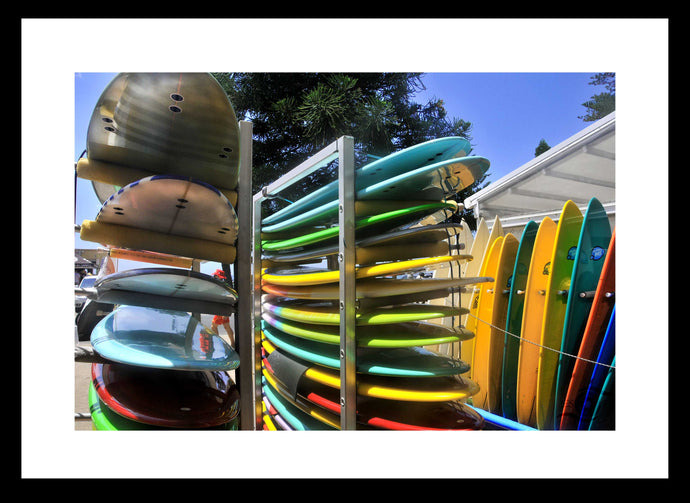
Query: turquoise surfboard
point(429, 183)
point(167, 288)
point(516, 304)
point(161, 339)
point(595, 237)
point(381, 169)
point(408, 362)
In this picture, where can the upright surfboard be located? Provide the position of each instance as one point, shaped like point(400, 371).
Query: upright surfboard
point(591, 255)
point(556, 303)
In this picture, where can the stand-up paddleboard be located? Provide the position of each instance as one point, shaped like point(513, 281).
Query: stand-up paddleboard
point(555, 305)
point(490, 338)
point(407, 361)
point(381, 169)
point(161, 339)
point(171, 398)
point(326, 313)
point(429, 183)
point(105, 419)
point(480, 259)
point(400, 244)
point(604, 415)
point(604, 361)
point(516, 304)
point(371, 288)
point(595, 330)
point(286, 276)
point(532, 319)
point(162, 123)
point(366, 226)
point(168, 214)
point(594, 239)
point(290, 369)
point(167, 288)
point(398, 335)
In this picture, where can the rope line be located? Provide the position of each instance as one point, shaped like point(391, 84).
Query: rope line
point(542, 346)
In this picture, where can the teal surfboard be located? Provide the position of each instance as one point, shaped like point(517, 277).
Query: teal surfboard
point(428, 183)
point(604, 415)
point(381, 169)
point(167, 288)
point(516, 304)
point(408, 362)
point(595, 237)
point(161, 339)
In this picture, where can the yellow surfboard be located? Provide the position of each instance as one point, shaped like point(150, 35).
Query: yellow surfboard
point(532, 319)
point(556, 301)
point(313, 276)
point(489, 340)
point(473, 268)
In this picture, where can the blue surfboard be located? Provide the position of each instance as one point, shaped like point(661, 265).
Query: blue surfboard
point(161, 339)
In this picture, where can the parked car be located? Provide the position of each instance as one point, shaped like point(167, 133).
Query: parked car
point(80, 300)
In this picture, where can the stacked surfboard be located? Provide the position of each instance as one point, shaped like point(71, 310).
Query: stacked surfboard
point(163, 156)
point(544, 350)
point(408, 258)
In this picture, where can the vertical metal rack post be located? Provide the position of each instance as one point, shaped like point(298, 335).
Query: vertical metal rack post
point(343, 150)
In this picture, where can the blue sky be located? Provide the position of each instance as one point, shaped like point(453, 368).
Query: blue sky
point(510, 114)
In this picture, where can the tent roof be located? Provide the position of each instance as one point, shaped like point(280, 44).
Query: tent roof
point(577, 169)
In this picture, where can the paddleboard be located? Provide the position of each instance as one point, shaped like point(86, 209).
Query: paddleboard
point(162, 339)
point(429, 183)
point(326, 313)
point(532, 319)
point(595, 330)
point(381, 169)
point(365, 226)
point(167, 288)
point(516, 304)
point(371, 288)
point(407, 361)
point(163, 397)
point(415, 242)
point(492, 312)
point(398, 335)
point(604, 415)
point(168, 214)
point(145, 124)
point(304, 276)
point(555, 305)
point(604, 360)
point(595, 236)
point(106, 420)
point(290, 369)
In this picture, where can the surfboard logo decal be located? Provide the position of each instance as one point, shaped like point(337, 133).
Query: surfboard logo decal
point(597, 253)
point(572, 252)
point(546, 270)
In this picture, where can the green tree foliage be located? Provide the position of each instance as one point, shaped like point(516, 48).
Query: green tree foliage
point(601, 104)
point(541, 148)
point(294, 115)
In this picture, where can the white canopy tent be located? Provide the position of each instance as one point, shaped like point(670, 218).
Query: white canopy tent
point(577, 169)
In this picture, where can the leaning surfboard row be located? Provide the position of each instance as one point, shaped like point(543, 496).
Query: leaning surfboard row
point(163, 156)
point(405, 248)
point(544, 349)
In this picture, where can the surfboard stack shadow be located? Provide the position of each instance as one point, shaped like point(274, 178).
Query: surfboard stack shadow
point(544, 350)
point(409, 259)
point(163, 156)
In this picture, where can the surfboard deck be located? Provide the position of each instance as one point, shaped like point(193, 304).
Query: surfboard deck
point(595, 237)
point(167, 214)
point(533, 317)
point(419, 333)
point(595, 330)
point(162, 339)
point(562, 263)
point(163, 397)
point(429, 183)
point(288, 369)
point(386, 167)
point(407, 361)
point(167, 288)
point(162, 123)
point(516, 305)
